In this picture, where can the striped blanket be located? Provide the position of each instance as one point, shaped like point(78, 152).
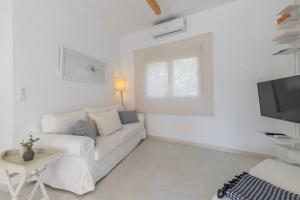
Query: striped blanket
point(247, 187)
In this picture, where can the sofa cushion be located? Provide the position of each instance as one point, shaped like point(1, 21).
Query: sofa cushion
point(62, 123)
point(107, 144)
point(107, 122)
point(82, 128)
point(128, 117)
point(93, 110)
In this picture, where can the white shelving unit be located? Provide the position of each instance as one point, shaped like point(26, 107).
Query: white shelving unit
point(289, 37)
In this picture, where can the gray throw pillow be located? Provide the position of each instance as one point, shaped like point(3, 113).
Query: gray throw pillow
point(128, 117)
point(82, 128)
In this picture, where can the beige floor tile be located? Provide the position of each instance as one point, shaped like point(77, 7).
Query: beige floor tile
point(158, 170)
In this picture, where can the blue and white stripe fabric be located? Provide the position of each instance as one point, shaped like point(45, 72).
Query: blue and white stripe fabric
point(247, 187)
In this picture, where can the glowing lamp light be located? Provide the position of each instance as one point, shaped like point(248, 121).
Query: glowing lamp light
point(120, 87)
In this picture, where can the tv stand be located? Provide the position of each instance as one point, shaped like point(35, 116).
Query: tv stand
point(290, 144)
point(277, 135)
point(283, 140)
point(270, 133)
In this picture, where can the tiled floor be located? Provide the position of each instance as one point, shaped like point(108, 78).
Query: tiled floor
point(158, 170)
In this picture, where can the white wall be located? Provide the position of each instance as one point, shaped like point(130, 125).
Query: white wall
point(40, 26)
point(6, 76)
point(243, 48)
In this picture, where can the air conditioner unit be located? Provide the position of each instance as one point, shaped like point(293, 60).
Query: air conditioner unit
point(169, 28)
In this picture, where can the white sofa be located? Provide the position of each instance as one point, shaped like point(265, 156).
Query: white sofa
point(83, 163)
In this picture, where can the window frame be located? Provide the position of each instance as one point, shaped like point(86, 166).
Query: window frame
point(170, 64)
point(202, 104)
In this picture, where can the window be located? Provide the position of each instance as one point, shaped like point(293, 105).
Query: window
point(175, 78)
point(157, 80)
point(185, 75)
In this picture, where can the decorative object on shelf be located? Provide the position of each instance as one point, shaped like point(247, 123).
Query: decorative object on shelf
point(283, 18)
point(120, 85)
point(27, 145)
point(289, 17)
point(78, 67)
point(287, 51)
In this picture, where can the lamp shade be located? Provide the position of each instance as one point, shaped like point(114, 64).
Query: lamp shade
point(120, 84)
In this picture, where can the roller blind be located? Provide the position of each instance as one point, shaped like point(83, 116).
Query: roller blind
point(176, 78)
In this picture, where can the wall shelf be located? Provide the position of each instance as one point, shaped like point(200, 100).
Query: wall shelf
point(287, 37)
point(288, 40)
point(290, 9)
point(287, 51)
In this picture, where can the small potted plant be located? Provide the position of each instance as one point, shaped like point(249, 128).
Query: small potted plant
point(27, 145)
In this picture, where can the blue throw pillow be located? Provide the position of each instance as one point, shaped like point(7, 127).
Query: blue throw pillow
point(82, 128)
point(128, 117)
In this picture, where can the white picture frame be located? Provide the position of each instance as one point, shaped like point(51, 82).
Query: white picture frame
point(74, 66)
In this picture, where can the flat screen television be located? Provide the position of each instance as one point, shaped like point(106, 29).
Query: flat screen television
point(280, 98)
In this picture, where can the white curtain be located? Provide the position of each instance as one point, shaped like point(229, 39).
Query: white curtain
point(176, 78)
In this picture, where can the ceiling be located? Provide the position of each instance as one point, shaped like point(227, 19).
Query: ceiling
point(126, 16)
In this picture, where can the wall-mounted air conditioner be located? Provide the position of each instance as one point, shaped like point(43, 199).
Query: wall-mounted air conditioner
point(169, 28)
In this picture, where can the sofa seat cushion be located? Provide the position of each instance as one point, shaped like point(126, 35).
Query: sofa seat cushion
point(107, 144)
point(129, 130)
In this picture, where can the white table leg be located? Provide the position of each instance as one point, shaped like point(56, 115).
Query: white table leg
point(40, 184)
point(45, 194)
point(15, 192)
point(36, 185)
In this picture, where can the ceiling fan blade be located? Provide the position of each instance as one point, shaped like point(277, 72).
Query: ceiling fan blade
point(155, 6)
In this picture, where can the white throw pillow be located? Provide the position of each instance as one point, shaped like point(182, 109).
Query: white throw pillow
point(107, 122)
point(93, 110)
point(62, 123)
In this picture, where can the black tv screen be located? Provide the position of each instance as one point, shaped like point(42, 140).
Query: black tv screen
point(280, 98)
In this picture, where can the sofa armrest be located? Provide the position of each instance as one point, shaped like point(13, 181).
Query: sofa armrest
point(69, 144)
point(141, 117)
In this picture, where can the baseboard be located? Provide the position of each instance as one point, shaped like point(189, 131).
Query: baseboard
point(3, 188)
point(212, 147)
